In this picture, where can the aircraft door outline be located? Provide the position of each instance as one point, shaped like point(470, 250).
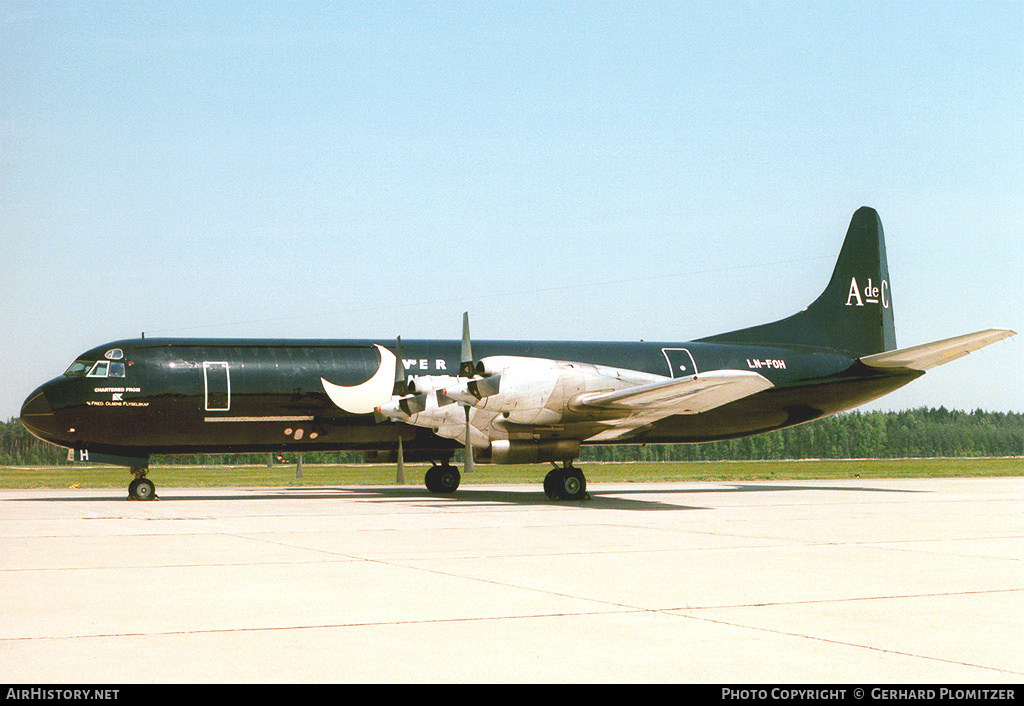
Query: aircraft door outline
point(680, 362)
point(217, 386)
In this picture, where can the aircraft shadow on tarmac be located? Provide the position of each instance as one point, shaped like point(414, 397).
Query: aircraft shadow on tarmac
point(598, 499)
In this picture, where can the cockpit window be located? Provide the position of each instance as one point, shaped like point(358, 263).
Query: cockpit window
point(114, 354)
point(100, 369)
point(106, 369)
point(78, 369)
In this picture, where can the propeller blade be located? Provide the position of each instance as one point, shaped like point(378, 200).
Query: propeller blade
point(401, 389)
point(401, 386)
point(469, 444)
point(473, 390)
point(400, 475)
point(484, 387)
point(466, 359)
point(413, 404)
point(443, 400)
point(466, 371)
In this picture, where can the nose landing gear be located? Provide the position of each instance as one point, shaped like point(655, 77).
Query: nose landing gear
point(141, 488)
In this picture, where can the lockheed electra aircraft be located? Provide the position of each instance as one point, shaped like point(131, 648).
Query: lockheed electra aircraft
point(504, 401)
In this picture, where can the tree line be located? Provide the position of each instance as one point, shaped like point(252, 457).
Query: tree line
point(916, 433)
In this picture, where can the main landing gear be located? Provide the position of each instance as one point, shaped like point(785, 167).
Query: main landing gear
point(141, 488)
point(443, 479)
point(566, 483)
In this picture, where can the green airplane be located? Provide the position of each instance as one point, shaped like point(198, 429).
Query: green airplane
point(503, 401)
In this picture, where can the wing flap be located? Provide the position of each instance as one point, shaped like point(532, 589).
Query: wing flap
point(645, 404)
point(689, 395)
point(931, 355)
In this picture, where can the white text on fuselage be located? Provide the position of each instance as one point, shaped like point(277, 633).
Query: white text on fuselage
point(873, 294)
point(424, 364)
point(116, 397)
point(756, 364)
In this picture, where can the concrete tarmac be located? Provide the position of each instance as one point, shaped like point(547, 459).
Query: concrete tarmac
point(839, 581)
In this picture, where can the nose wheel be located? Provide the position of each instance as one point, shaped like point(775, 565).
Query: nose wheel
point(141, 488)
point(566, 483)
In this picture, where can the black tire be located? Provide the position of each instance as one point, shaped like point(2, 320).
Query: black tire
point(572, 485)
point(448, 479)
point(551, 483)
point(430, 480)
point(443, 479)
point(143, 489)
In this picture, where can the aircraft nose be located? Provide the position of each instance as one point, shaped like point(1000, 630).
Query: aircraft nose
point(37, 416)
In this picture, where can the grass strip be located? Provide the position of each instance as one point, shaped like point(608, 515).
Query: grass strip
point(365, 474)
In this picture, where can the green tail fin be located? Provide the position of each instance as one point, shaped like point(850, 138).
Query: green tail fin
point(854, 313)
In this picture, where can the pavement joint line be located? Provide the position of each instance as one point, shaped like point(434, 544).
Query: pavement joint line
point(331, 626)
point(565, 572)
point(845, 643)
point(851, 599)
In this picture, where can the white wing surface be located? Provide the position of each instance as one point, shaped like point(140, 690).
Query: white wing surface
point(646, 404)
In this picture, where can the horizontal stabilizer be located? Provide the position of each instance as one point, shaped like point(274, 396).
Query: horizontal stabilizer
point(689, 395)
point(931, 355)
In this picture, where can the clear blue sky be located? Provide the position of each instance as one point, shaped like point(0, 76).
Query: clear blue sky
point(604, 170)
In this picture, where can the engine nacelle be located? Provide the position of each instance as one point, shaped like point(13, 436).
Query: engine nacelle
point(532, 390)
point(539, 391)
point(508, 390)
point(429, 383)
point(505, 451)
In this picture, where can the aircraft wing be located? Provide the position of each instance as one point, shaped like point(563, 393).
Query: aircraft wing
point(931, 355)
point(645, 404)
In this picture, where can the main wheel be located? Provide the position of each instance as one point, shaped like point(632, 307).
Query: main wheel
point(443, 479)
point(551, 481)
point(573, 485)
point(448, 479)
point(430, 480)
point(565, 484)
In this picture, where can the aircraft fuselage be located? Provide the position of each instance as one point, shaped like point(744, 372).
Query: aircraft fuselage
point(149, 396)
point(503, 401)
